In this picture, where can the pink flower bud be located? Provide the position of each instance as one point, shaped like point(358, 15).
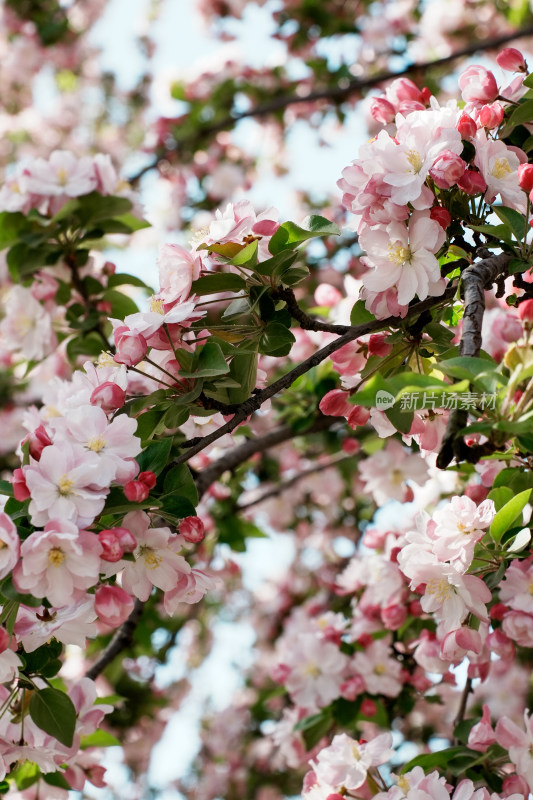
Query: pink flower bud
point(5, 638)
point(441, 215)
point(111, 548)
point(136, 491)
point(358, 416)
point(525, 311)
point(498, 611)
point(525, 177)
point(382, 111)
point(350, 446)
point(335, 404)
point(515, 784)
point(44, 286)
point(126, 539)
point(148, 478)
point(131, 347)
point(482, 735)
point(192, 529)
point(327, 295)
point(352, 688)
point(394, 616)
point(20, 490)
point(280, 672)
point(447, 168)
point(478, 85)
point(500, 644)
point(113, 605)
point(104, 307)
point(109, 396)
point(477, 492)
point(466, 127)
point(368, 708)
point(377, 345)
point(38, 440)
point(403, 89)
point(491, 116)
point(512, 60)
point(456, 643)
point(472, 182)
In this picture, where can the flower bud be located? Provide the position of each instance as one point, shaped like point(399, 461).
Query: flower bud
point(38, 440)
point(472, 182)
point(352, 688)
point(441, 215)
point(368, 708)
point(515, 784)
point(127, 540)
point(327, 295)
point(491, 116)
point(477, 492)
point(393, 616)
point(447, 168)
point(136, 491)
point(111, 548)
point(5, 638)
point(382, 111)
point(358, 416)
point(109, 396)
point(148, 478)
point(478, 85)
point(511, 59)
point(525, 311)
point(113, 605)
point(131, 347)
point(192, 529)
point(466, 127)
point(335, 403)
point(378, 346)
point(525, 177)
point(20, 489)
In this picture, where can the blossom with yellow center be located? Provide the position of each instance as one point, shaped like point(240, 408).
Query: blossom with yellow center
point(440, 588)
point(56, 556)
point(151, 559)
point(156, 306)
point(64, 485)
point(415, 160)
point(500, 169)
point(96, 443)
point(399, 254)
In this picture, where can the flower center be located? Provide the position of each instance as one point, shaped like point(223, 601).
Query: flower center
point(356, 753)
point(106, 360)
point(64, 485)
point(415, 160)
point(379, 669)
point(62, 176)
point(440, 588)
point(22, 325)
point(151, 559)
point(56, 556)
point(96, 443)
point(399, 254)
point(311, 670)
point(156, 306)
point(501, 168)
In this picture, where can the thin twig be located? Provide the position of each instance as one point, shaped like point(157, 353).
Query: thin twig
point(464, 700)
point(287, 483)
point(243, 410)
point(339, 93)
point(306, 322)
point(122, 639)
point(259, 444)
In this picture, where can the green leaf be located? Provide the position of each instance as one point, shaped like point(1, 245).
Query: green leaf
point(121, 278)
point(466, 367)
point(218, 282)
point(515, 479)
point(501, 232)
point(440, 759)
point(313, 728)
point(56, 779)
point(54, 713)
point(522, 113)
point(359, 314)
point(507, 515)
point(209, 361)
point(148, 422)
point(500, 496)
point(234, 531)
point(295, 275)
point(513, 219)
point(12, 226)
point(247, 257)
point(26, 775)
point(132, 222)
point(528, 81)
point(99, 738)
point(155, 457)
point(6, 488)
point(178, 507)
point(121, 304)
point(89, 345)
point(289, 235)
point(179, 480)
point(94, 207)
point(243, 369)
point(276, 340)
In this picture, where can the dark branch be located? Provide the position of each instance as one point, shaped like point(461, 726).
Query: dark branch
point(238, 455)
point(287, 483)
point(464, 700)
point(255, 401)
point(122, 639)
point(342, 92)
point(306, 322)
point(475, 279)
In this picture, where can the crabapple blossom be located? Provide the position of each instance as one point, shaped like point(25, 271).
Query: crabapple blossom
point(317, 669)
point(178, 268)
point(478, 85)
point(345, 763)
point(59, 563)
point(113, 605)
point(381, 673)
point(70, 624)
point(9, 545)
point(519, 744)
point(498, 165)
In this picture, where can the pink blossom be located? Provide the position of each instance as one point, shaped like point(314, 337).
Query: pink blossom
point(65, 484)
point(478, 85)
point(9, 545)
point(519, 743)
point(511, 59)
point(345, 762)
point(61, 174)
point(491, 116)
point(517, 586)
point(113, 605)
point(499, 166)
point(71, 624)
point(156, 561)
point(518, 626)
point(450, 596)
point(108, 396)
point(381, 672)
point(482, 735)
point(59, 563)
point(317, 670)
point(384, 473)
point(27, 327)
point(460, 525)
point(447, 168)
point(190, 588)
point(178, 268)
point(131, 346)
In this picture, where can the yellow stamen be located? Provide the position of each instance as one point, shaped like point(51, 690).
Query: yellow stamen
point(62, 176)
point(64, 486)
point(151, 559)
point(379, 669)
point(106, 360)
point(501, 168)
point(399, 254)
point(156, 306)
point(56, 556)
point(312, 670)
point(440, 588)
point(96, 443)
point(415, 160)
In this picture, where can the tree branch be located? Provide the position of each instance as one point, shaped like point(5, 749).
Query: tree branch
point(464, 700)
point(339, 93)
point(238, 455)
point(306, 322)
point(287, 483)
point(120, 641)
point(475, 279)
point(255, 401)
